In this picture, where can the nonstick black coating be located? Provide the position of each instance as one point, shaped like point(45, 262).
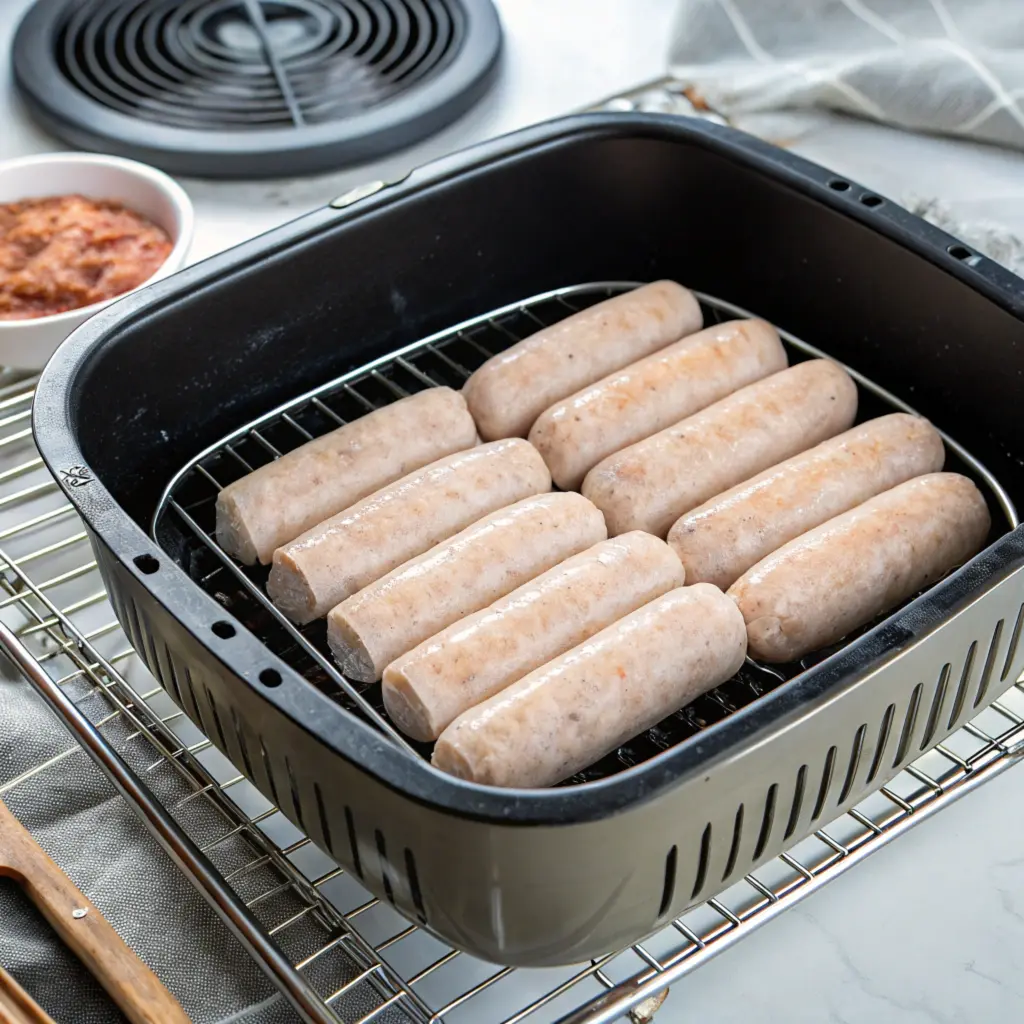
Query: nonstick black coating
point(140, 388)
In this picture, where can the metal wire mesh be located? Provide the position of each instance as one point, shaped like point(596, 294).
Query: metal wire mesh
point(366, 962)
point(184, 521)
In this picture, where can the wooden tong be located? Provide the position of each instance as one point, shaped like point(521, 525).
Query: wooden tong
point(130, 983)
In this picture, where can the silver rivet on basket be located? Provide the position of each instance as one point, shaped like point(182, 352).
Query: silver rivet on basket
point(78, 913)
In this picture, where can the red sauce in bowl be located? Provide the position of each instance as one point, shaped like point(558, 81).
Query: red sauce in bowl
point(65, 252)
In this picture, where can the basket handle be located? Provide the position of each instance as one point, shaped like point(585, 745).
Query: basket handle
point(130, 983)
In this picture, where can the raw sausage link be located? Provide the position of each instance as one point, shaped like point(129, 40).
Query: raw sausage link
point(479, 656)
point(464, 574)
point(352, 549)
point(277, 502)
point(575, 709)
point(513, 388)
point(649, 485)
point(724, 537)
point(817, 588)
point(641, 399)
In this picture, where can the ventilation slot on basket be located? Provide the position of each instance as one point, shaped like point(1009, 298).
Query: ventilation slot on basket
point(883, 740)
point(218, 728)
point(134, 629)
point(798, 801)
point(188, 691)
point(385, 875)
point(961, 690)
point(851, 771)
point(350, 825)
point(826, 782)
point(242, 746)
point(767, 820)
point(269, 772)
point(669, 888)
point(908, 726)
point(990, 663)
point(321, 815)
point(149, 646)
point(169, 677)
point(737, 835)
point(937, 701)
point(702, 863)
point(146, 647)
point(293, 786)
point(1011, 652)
point(179, 680)
point(414, 885)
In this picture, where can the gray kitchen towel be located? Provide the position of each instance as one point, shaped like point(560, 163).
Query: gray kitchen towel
point(953, 67)
point(75, 814)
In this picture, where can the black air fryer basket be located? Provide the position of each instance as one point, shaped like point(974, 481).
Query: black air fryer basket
point(309, 317)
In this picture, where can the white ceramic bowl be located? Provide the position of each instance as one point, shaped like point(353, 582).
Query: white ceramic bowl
point(28, 344)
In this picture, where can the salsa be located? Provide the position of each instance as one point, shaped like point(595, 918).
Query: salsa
point(65, 252)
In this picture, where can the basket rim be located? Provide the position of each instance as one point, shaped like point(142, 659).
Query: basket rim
point(358, 742)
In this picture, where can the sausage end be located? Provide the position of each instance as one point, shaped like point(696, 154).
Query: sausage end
point(767, 640)
point(598, 488)
point(680, 303)
point(492, 422)
point(289, 589)
point(404, 706)
point(448, 758)
point(232, 533)
point(349, 651)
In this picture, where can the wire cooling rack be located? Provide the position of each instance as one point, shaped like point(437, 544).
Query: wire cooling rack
point(337, 952)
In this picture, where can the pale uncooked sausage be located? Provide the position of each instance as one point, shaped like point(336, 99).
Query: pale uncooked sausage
point(585, 703)
point(347, 552)
point(816, 589)
point(721, 539)
point(513, 388)
point(649, 485)
point(480, 655)
point(652, 394)
point(275, 503)
point(487, 560)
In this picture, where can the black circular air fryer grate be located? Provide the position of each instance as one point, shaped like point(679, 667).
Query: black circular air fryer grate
point(253, 87)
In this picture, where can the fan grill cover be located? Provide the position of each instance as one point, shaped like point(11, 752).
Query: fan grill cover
point(253, 87)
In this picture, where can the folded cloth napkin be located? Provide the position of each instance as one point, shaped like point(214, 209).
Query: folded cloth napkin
point(953, 67)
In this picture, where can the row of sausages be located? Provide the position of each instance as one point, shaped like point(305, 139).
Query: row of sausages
point(530, 632)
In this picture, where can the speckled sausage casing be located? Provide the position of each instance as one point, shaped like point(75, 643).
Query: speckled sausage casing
point(474, 568)
point(652, 394)
point(513, 388)
point(274, 504)
point(649, 485)
point(349, 551)
point(479, 656)
point(724, 537)
point(578, 707)
point(814, 590)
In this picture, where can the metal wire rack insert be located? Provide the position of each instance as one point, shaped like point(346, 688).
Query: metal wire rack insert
point(183, 523)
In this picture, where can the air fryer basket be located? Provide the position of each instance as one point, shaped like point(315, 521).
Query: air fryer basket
point(549, 876)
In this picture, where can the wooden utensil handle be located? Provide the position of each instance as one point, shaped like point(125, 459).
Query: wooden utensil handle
point(17, 1006)
point(130, 983)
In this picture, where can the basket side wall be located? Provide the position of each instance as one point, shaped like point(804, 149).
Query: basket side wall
point(627, 200)
point(604, 883)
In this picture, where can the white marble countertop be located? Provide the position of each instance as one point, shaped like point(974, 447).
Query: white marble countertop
point(932, 927)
